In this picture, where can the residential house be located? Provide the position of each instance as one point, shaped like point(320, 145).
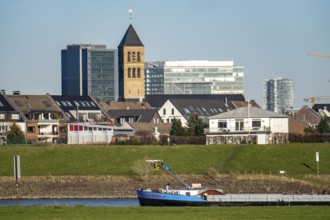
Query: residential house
point(80, 109)
point(307, 116)
point(182, 109)
point(321, 107)
point(247, 124)
point(135, 115)
point(130, 111)
point(44, 120)
point(8, 116)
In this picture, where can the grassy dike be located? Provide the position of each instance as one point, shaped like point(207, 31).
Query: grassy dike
point(62, 160)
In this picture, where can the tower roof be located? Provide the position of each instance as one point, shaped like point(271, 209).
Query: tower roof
point(131, 38)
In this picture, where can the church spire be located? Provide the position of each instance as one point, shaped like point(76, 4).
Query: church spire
point(131, 38)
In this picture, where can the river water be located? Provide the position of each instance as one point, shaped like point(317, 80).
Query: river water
point(71, 202)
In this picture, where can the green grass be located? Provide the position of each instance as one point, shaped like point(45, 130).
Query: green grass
point(145, 213)
point(117, 160)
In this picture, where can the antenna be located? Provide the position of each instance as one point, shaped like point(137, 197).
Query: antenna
point(130, 11)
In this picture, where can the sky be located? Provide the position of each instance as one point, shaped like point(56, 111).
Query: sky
point(270, 38)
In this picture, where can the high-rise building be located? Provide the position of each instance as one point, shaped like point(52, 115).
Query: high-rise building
point(90, 70)
point(278, 94)
point(131, 66)
point(194, 77)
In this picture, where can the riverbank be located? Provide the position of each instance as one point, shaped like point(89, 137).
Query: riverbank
point(48, 187)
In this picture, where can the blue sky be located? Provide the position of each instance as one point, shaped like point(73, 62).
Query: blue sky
point(269, 38)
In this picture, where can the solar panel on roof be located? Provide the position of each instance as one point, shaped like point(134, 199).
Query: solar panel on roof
point(46, 103)
point(19, 103)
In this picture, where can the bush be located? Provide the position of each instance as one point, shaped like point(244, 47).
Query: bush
point(188, 140)
point(15, 135)
point(309, 138)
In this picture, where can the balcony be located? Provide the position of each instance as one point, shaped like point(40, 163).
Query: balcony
point(234, 130)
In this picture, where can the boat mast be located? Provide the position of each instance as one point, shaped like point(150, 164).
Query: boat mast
point(159, 164)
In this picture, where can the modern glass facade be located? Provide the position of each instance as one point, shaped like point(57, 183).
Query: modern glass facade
point(278, 94)
point(154, 78)
point(194, 77)
point(90, 70)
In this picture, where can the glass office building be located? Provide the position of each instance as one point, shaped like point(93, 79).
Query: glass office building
point(90, 70)
point(194, 77)
point(278, 94)
point(154, 78)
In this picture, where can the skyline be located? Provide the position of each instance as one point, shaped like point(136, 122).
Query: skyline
point(270, 39)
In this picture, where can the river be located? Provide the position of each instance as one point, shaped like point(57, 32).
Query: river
point(71, 202)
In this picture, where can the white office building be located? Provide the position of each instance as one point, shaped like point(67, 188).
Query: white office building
point(194, 77)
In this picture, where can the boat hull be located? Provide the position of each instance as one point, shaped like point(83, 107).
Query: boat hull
point(148, 198)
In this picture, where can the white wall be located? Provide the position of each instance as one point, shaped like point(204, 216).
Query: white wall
point(168, 117)
point(276, 125)
point(89, 137)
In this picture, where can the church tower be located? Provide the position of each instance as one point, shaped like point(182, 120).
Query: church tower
point(131, 66)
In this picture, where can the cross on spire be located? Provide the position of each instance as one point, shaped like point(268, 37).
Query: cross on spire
point(130, 11)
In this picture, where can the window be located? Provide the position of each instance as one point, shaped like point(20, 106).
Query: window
point(31, 129)
point(133, 73)
point(133, 56)
point(239, 125)
point(164, 111)
point(129, 73)
point(138, 57)
point(222, 124)
point(256, 123)
point(15, 116)
point(138, 73)
point(172, 111)
point(2, 116)
point(129, 57)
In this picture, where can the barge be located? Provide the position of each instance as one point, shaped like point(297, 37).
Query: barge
point(196, 196)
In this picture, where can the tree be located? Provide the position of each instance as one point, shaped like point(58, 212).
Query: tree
point(323, 126)
point(196, 125)
point(15, 135)
point(177, 128)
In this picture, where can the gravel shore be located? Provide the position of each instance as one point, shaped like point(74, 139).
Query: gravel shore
point(125, 186)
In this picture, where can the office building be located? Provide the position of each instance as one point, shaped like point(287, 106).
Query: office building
point(194, 77)
point(131, 66)
point(278, 94)
point(90, 70)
